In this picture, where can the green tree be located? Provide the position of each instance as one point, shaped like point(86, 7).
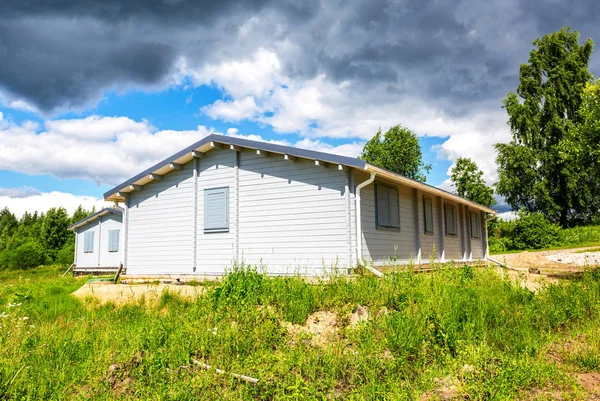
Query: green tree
point(397, 150)
point(8, 225)
point(468, 181)
point(534, 171)
point(54, 233)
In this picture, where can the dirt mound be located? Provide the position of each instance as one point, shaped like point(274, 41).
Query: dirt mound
point(590, 382)
point(120, 294)
point(361, 314)
point(320, 328)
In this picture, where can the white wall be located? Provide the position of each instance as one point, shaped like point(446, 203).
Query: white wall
point(380, 245)
point(100, 257)
point(215, 251)
point(293, 216)
point(161, 226)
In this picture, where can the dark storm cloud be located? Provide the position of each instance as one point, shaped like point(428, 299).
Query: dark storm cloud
point(456, 55)
point(54, 64)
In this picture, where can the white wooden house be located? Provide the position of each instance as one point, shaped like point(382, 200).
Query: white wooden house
point(98, 242)
point(291, 211)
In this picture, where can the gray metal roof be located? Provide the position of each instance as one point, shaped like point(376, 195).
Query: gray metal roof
point(94, 216)
point(229, 140)
point(287, 150)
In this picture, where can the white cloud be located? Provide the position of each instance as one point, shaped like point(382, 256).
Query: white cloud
point(254, 76)
point(41, 202)
point(114, 148)
point(235, 110)
point(318, 108)
point(95, 127)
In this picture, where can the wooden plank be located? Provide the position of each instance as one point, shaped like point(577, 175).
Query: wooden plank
point(176, 166)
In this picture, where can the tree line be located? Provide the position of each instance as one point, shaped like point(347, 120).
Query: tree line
point(37, 239)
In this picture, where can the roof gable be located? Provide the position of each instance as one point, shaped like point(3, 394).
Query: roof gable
point(97, 215)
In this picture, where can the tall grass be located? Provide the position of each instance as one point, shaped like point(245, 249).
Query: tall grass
point(422, 327)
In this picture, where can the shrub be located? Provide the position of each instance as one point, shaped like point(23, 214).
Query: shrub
point(66, 255)
point(30, 254)
point(534, 231)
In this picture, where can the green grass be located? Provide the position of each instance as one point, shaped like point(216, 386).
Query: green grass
point(576, 237)
point(486, 333)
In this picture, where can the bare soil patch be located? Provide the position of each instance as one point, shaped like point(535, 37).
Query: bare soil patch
point(320, 328)
point(563, 261)
point(120, 294)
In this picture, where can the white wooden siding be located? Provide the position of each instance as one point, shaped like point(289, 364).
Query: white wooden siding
point(87, 259)
point(109, 259)
point(452, 243)
point(100, 257)
point(160, 233)
point(215, 251)
point(477, 243)
point(384, 246)
point(429, 242)
point(293, 217)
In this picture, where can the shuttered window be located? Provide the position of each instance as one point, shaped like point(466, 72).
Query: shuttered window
point(428, 215)
point(216, 210)
point(387, 207)
point(475, 226)
point(88, 242)
point(113, 240)
point(450, 219)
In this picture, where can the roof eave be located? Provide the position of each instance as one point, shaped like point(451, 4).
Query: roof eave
point(214, 141)
point(426, 187)
point(92, 217)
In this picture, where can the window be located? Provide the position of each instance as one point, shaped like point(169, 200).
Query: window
point(113, 240)
point(450, 219)
point(88, 242)
point(216, 210)
point(428, 215)
point(387, 213)
point(475, 226)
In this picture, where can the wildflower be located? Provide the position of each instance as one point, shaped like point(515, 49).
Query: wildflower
point(25, 317)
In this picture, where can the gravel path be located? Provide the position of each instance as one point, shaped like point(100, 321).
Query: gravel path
point(579, 259)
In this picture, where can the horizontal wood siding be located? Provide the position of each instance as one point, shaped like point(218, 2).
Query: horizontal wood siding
point(293, 216)
point(477, 243)
point(430, 245)
point(160, 233)
point(87, 259)
point(105, 259)
point(110, 259)
point(215, 250)
point(384, 246)
point(452, 243)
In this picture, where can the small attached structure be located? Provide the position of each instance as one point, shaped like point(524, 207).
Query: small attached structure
point(98, 242)
point(226, 200)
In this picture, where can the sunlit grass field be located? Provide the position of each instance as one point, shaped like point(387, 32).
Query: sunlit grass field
point(465, 332)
